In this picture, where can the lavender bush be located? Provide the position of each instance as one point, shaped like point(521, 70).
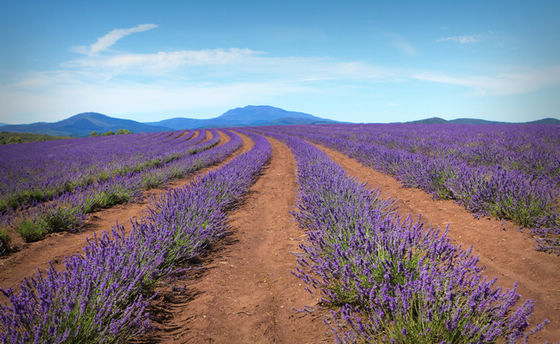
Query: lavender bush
point(388, 279)
point(68, 210)
point(510, 172)
point(101, 296)
point(32, 172)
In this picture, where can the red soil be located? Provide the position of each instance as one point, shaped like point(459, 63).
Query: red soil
point(245, 291)
point(507, 253)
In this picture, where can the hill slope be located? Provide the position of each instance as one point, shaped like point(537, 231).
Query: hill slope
point(251, 115)
point(82, 125)
point(437, 120)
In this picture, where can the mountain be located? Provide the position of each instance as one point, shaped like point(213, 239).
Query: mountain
point(432, 120)
point(82, 125)
point(437, 120)
point(546, 121)
point(251, 115)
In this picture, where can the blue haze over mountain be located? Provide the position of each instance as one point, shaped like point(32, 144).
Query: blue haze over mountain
point(84, 123)
point(250, 115)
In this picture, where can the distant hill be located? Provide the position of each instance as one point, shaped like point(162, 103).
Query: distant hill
point(432, 120)
point(546, 121)
point(251, 115)
point(82, 125)
point(437, 120)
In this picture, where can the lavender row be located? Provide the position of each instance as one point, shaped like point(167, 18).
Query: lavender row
point(102, 295)
point(532, 149)
point(67, 211)
point(494, 189)
point(386, 278)
point(42, 170)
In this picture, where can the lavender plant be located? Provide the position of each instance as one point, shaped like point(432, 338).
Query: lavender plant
point(388, 279)
point(510, 172)
point(32, 172)
point(101, 296)
point(67, 211)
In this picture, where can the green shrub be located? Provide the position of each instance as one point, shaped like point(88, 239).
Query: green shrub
point(61, 218)
point(31, 230)
point(4, 242)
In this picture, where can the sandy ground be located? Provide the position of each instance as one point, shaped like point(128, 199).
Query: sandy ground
point(507, 253)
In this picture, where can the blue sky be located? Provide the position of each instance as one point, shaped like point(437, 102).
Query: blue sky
point(359, 61)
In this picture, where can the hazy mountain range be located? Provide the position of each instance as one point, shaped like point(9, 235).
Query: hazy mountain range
point(84, 123)
point(437, 120)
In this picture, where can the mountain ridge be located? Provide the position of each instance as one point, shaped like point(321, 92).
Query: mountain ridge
point(250, 115)
point(438, 120)
point(84, 123)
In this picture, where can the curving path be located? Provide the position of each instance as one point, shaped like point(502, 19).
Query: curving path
point(245, 291)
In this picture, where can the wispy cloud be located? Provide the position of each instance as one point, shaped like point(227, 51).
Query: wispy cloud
point(500, 85)
point(105, 42)
point(465, 39)
point(402, 44)
point(162, 61)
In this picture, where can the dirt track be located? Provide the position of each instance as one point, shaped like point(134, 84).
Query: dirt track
point(246, 292)
point(57, 246)
point(507, 253)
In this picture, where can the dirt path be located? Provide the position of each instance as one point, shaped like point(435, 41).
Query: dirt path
point(507, 253)
point(57, 246)
point(246, 291)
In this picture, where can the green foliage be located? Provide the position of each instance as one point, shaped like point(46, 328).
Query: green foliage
point(57, 219)
point(4, 242)
point(107, 198)
point(11, 138)
point(94, 133)
point(62, 218)
point(31, 230)
point(108, 133)
point(152, 180)
point(124, 132)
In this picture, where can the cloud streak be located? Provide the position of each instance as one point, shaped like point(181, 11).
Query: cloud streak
point(500, 85)
point(107, 41)
point(465, 39)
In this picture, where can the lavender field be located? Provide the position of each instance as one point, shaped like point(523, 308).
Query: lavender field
point(376, 276)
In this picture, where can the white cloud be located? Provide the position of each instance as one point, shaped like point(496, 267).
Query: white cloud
point(460, 39)
point(503, 84)
point(162, 61)
point(105, 42)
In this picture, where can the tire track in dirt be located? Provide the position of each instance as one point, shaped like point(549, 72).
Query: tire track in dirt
point(245, 291)
point(55, 247)
point(507, 253)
